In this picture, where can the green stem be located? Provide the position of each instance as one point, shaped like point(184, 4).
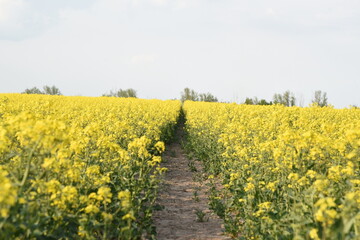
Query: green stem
point(106, 225)
point(28, 164)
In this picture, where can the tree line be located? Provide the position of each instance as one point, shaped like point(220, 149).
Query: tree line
point(127, 93)
point(287, 98)
point(189, 94)
point(47, 90)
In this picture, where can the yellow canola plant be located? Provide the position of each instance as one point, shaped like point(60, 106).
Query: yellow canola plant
point(285, 172)
point(80, 167)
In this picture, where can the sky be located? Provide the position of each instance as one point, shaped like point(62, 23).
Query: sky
point(231, 48)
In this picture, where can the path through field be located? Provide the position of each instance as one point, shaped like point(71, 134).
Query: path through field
point(184, 200)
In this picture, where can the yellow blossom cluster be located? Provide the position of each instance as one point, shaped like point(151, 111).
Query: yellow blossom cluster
point(286, 172)
point(80, 167)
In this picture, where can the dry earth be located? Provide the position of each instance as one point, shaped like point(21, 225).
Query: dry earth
point(183, 200)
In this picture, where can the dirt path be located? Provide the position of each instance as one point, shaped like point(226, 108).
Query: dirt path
point(185, 213)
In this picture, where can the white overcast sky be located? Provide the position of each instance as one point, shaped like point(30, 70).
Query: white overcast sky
point(231, 48)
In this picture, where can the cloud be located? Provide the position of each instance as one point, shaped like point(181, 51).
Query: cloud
point(9, 9)
point(270, 12)
point(20, 19)
point(143, 59)
point(159, 2)
point(13, 18)
point(23, 19)
point(186, 3)
point(10, 12)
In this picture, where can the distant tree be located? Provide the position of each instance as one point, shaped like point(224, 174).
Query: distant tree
point(249, 101)
point(320, 99)
point(207, 97)
point(256, 101)
point(278, 99)
point(127, 93)
point(264, 102)
point(287, 99)
point(51, 90)
point(111, 94)
point(47, 90)
point(189, 94)
point(33, 90)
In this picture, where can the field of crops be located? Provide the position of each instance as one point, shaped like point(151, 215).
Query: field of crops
point(89, 168)
point(80, 167)
point(280, 172)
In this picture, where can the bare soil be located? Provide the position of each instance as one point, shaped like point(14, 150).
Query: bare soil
point(185, 212)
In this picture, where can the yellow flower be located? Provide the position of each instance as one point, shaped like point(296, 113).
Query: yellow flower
point(107, 216)
point(321, 184)
point(92, 209)
point(93, 170)
point(293, 176)
point(125, 197)
point(160, 146)
point(313, 234)
point(325, 212)
point(351, 155)
point(348, 170)
point(69, 194)
point(265, 205)
point(311, 174)
point(249, 187)
point(8, 193)
point(129, 215)
point(104, 194)
point(334, 173)
point(272, 186)
point(48, 162)
point(81, 231)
